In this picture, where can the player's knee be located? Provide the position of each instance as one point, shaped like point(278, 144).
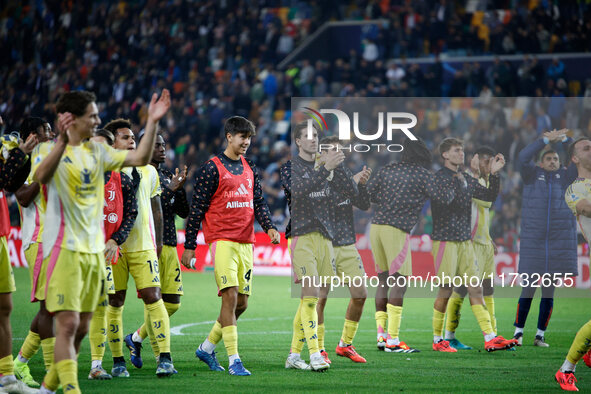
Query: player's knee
point(68, 325)
point(359, 302)
point(117, 300)
point(150, 295)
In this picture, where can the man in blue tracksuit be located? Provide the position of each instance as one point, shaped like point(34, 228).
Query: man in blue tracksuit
point(548, 230)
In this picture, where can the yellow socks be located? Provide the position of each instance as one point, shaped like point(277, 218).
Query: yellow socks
point(349, 331)
point(67, 371)
point(30, 346)
point(47, 345)
point(170, 309)
point(160, 325)
point(321, 336)
point(298, 338)
point(483, 318)
point(97, 333)
point(230, 335)
point(490, 306)
point(394, 318)
point(6, 366)
point(454, 306)
point(438, 324)
point(115, 330)
point(581, 344)
point(51, 379)
point(309, 318)
point(381, 321)
point(147, 326)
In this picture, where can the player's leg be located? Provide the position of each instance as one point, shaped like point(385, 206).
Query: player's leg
point(8, 381)
point(396, 244)
point(171, 288)
point(350, 266)
point(471, 279)
point(445, 255)
point(523, 306)
point(580, 348)
point(486, 254)
point(453, 315)
point(46, 334)
point(115, 316)
point(546, 306)
point(381, 299)
point(298, 339)
point(144, 268)
point(98, 338)
point(321, 329)
point(32, 341)
point(314, 260)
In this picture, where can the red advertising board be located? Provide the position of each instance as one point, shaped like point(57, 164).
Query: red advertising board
point(272, 259)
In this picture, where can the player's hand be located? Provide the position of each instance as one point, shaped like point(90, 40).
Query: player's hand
point(178, 180)
point(362, 176)
point(111, 250)
point(159, 106)
point(64, 122)
point(459, 176)
point(186, 258)
point(1, 121)
point(333, 159)
point(475, 165)
point(497, 163)
point(274, 235)
point(29, 144)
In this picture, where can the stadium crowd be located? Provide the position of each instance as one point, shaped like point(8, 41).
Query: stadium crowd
point(221, 59)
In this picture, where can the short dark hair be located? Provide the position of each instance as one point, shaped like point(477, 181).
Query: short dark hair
point(239, 124)
point(106, 134)
point(447, 144)
point(117, 124)
point(75, 102)
point(302, 126)
point(29, 125)
point(571, 147)
point(485, 150)
point(416, 152)
point(547, 152)
point(331, 139)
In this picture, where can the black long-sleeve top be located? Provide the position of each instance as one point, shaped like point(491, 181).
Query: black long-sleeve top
point(344, 231)
point(206, 184)
point(12, 170)
point(285, 175)
point(173, 203)
point(400, 190)
point(129, 208)
point(312, 204)
point(452, 222)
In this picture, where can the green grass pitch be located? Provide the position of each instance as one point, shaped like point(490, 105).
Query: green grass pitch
point(265, 335)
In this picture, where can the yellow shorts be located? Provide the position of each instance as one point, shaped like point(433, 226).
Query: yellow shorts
point(348, 262)
point(485, 256)
point(233, 264)
point(37, 271)
point(75, 280)
point(390, 247)
point(454, 259)
point(312, 255)
point(6, 274)
point(171, 280)
point(143, 267)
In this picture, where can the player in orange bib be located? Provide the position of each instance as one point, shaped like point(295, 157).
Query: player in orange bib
point(227, 197)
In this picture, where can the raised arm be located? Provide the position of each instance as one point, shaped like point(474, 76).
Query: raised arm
point(156, 110)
